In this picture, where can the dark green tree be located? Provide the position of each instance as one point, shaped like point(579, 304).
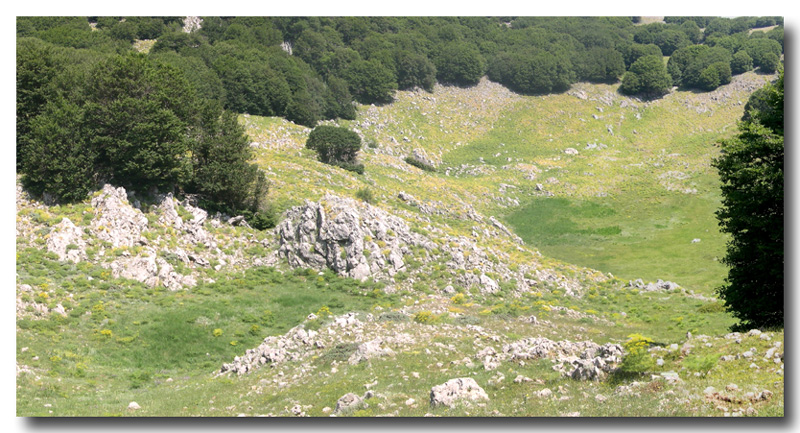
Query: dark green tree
point(776, 35)
point(715, 75)
point(692, 31)
point(689, 66)
point(339, 103)
point(37, 67)
point(648, 77)
point(769, 63)
point(741, 63)
point(139, 112)
point(222, 172)
point(415, 70)
point(460, 64)
point(751, 171)
point(671, 40)
point(59, 160)
point(721, 26)
point(336, 146)
point(600, 65)
point(632, 52)
point(758, 49)
point(371, 81)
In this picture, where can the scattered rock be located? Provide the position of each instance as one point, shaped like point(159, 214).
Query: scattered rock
point(370, 349)
point(347, 403)
point(448, 393)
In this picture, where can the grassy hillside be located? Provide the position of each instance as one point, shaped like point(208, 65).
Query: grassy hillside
point(629, 202)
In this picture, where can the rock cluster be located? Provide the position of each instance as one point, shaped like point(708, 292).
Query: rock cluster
point(116, 221)
point(454, 390)
point(351, 238)
point(274, 350)
point(151, 270)
point(348, 403)
point(583, 360)
point(651, 287)
point(32, 309)
point(422, 156)
point(192, 24)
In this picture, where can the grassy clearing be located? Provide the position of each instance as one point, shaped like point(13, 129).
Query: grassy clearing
point(632, 239)
point(120, 338)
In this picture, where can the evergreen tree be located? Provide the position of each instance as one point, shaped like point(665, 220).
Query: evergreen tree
point(222, 172)
point(138, 113)
point(59, 160)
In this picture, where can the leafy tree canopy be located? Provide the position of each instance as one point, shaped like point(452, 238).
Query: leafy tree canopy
point(751, 171)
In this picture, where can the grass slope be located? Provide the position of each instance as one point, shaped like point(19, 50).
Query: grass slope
point(630, 207)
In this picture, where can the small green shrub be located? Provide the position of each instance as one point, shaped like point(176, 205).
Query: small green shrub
point(713, 307)
point(638, 359)
point(365, 195)
point(339, 353)
point(426, 318)
point(419, 164)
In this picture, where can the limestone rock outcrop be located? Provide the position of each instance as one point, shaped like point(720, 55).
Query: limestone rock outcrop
point(353, 239)
point(66, 240)
point(117, 221)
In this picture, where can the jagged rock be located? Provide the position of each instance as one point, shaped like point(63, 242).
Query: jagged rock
point(238, 221)
point(169, 213)
point(583, 360)
point(117, 221)
point(336, 232)
point(651, 287)
point(66, 240)
point(488, 285)
point(453, 390)
point(488, 356)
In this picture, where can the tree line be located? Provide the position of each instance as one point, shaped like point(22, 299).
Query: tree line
point(163, 119)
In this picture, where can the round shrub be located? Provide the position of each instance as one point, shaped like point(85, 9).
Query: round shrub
point(336, 146)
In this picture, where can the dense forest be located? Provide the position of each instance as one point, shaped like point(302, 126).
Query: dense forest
point(92, 108)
